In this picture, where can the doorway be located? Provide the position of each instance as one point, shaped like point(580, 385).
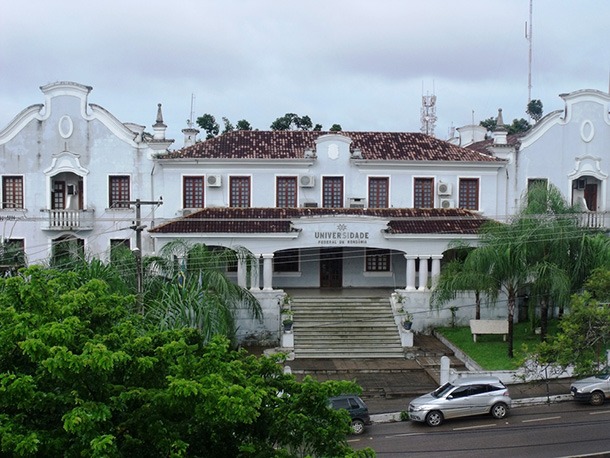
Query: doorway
point(331, 268)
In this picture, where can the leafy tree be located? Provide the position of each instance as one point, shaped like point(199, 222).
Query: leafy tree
point(534, 109)
point(518, 126)
point(228, 127)
point(456, 277)
point(489, 123)
point(242, 124)
point(584, 333)
point(197, 293)
point(81, 376)
point(335, 128)
point(292, 121)
point(208, 123)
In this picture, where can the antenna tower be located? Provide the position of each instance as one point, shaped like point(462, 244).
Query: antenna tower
point(428, 113)
point(190, 122)
point(528, 36)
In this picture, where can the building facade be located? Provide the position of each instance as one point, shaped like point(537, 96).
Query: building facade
point(316, 209)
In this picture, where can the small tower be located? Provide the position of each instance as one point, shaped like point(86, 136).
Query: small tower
point(159, 143)
point(191, 132)
point(500, 133)
point(428, 114)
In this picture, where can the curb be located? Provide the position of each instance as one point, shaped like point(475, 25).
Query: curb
point(516, 403)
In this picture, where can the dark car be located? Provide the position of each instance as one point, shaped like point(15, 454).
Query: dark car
point(593, 390)
point(464, 396)
point(356, 408)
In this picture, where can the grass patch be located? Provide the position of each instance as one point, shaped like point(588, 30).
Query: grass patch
point(490, 351)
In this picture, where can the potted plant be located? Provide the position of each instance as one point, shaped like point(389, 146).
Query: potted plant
point(407, 321)
point(287, 324)
point(287, 321)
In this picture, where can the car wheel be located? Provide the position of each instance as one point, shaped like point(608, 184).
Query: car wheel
point(499, 410)
point(434, 418)
point(597, 398)
point(357, 426)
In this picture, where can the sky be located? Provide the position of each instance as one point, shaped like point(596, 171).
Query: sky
point(363, 64)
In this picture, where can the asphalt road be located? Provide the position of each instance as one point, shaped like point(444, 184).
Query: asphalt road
point(565, 429)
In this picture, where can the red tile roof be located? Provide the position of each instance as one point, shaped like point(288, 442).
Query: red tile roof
point(279, 220)
point(292, 144)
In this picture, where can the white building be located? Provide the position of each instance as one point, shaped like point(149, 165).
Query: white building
point(319, 209)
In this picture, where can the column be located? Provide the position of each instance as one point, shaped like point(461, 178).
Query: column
point(254, 273)
point(267, 271)
point(242, 270)
point(423, 273)
point(410, 272)
point(436, 269)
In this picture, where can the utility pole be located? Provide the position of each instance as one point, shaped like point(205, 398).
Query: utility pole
point(139, 227)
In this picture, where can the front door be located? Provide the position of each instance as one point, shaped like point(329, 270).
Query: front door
point(331, 268)
point(591, 196)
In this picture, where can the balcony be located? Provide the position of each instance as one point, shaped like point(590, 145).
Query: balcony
point(594, 220)
point(61, 220)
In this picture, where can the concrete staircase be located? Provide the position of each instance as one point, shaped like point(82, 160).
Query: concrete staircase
point(345, 327)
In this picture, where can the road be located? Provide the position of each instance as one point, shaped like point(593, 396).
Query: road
point(556, 430)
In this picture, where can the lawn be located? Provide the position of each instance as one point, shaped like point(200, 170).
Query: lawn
point(490, 351)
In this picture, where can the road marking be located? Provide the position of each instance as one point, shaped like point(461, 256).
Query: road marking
point(353, 440)
point(599, 412)
point(404, 434)
point(475, 427)
point(540, 419)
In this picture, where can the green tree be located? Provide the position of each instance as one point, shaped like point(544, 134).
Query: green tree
point(518, 126)
point(81, 376)
point(457, 277)
point(584, 332)
point(292, 121)
point(501, 258)
point(196, 292)
point(228, 127)
point(561, 253)
point(534, 109)
point(489, 123)
point(242, 124)
point(208, 123)
point(335, 128)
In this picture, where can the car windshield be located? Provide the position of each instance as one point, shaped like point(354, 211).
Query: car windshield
point(603, 376)
point(442, 390)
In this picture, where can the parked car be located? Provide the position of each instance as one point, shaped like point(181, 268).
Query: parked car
point(464, 396)
point(356, 408)
point(593, 390)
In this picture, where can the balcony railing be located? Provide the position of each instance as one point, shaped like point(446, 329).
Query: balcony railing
point(60, 220)
point(595, 220)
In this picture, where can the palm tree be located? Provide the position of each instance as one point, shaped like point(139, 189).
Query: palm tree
point(455, 278)
point(502, 257)
point(197, 292)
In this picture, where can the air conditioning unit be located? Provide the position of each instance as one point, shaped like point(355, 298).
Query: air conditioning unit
point(214, 181)
point(447, 203)
point(71, 190)
point(186, 211)
point(444, 189)
point(310, 204)
point(307, 181)
point(357, 202)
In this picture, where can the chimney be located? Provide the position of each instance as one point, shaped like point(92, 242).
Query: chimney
point(190, 136)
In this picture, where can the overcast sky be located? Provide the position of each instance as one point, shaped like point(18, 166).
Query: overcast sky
point(362, 64)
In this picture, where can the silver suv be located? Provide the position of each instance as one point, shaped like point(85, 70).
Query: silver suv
point(593, 390)
point(465, 396)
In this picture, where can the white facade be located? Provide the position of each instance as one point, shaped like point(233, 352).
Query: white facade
point(343, 210)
